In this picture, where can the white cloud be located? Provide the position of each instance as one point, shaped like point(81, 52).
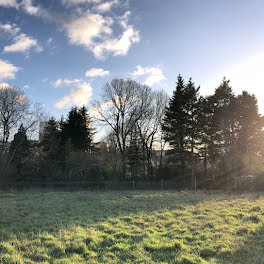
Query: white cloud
point(23, 43)
point(244, 75)
point(106, 6)
point(79, 96)
point(83, 30)
point(153, 74)
point(119, 45)
point(99, 109)
point(3, 85)
point(88, 26)
point(27, 5)
point(26, 86)
point(11, 29)
point(49, 41)
point(77, 2)
point(65, 82)
point(95, 72)
point(9, 3)
point(7, 70)
point(94, 32)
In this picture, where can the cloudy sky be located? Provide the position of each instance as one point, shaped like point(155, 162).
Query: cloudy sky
point(61, 52)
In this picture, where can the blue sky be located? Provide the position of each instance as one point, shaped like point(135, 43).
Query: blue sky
point(61, 52)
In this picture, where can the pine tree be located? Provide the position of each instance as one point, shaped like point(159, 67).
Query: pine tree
point(249, 132)
point(223, 127)
point(193, 102)
point(77, 129)
point(52, 140)
point(180, 122)
point(19, 149)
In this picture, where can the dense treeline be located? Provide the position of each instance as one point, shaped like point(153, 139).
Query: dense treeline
point(196, 141)
point(218, 137)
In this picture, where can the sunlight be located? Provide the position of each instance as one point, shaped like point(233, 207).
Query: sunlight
point(244, 75)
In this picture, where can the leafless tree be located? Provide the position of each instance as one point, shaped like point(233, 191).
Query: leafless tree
point(149, 126)
point(124, 102)
point(15, 109)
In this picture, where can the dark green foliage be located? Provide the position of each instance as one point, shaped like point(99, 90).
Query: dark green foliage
point(180, 125)
point(212, 140)
point(221, 135)
point(20, 146)
point(52, 140)
point(77, 129)
point(19, 150)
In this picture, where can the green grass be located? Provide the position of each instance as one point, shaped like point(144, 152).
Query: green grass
point(131, 227)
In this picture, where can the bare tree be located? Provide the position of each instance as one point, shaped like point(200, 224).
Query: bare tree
point(123, 104)
point(149, 126)
point(15, 109)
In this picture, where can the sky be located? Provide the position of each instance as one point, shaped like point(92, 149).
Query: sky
point(62, 52)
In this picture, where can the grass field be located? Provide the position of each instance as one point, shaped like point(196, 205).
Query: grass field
point(131, 227)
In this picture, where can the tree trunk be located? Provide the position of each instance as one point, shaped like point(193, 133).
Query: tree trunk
point(124, 167)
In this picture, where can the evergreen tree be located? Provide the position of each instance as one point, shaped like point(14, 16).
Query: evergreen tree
point(77, 129)
point(249, 133)
point(52, 140)
point(193, 102)
point(180, 122)
point(19, 149)
point(217, 122)
point(223, 129)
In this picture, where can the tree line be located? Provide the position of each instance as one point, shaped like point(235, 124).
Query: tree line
point(196, 141)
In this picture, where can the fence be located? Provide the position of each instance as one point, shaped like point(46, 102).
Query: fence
point(91, 185)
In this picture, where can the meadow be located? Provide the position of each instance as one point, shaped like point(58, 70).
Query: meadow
point(131, 227)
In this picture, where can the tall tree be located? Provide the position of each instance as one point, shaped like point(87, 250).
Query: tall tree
point(19, 149)
point(149, 127)
point(14, 108)
point(180, 122)
point(249, 131)
point(77, 129)
point(51, 141)
point(124, 101)
point(193, 102)
point(223, 129)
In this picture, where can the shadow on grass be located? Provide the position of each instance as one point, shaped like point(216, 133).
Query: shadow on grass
point(161, 226)
point(252, 250)
point(50, 211)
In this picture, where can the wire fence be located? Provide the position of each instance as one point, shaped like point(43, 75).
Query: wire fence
point(245, 183)
point(91, 185)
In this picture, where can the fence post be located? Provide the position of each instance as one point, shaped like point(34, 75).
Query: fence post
point(195, 183)
point(133, 185)
point(162, 184)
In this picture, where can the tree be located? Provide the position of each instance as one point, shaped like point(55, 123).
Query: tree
point(135, 154)
point(193, 102)
point(249, 131)
point(181, 122)
point(77, 129)
point(51, 140)
point(149, 126)
point(123, 103)
point(19, 149)
point(14, 108)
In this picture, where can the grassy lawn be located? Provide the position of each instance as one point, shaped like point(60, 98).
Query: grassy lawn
point(131, 227)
